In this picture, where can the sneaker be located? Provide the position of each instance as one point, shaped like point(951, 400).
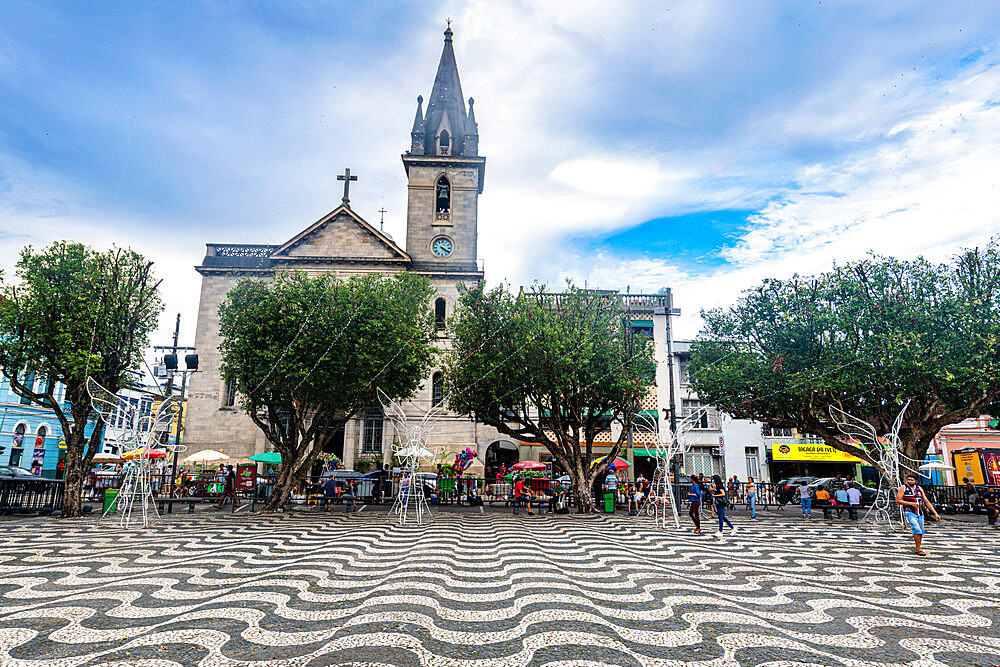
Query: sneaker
point(720, 534)
point(734, 530)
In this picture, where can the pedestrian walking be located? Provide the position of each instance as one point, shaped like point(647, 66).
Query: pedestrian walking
point(721, 502)
point(229, 488)
point(911, 497)
point(805, 500)
point(752, 497)
point(329, 492)
point(694, 504)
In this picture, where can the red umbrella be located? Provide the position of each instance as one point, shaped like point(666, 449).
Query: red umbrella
point(529, 465)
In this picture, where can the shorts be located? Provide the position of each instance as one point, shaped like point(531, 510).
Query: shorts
point(916, 522)
point(638, 497)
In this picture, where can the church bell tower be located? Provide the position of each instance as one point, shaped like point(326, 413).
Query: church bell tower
point(445, 174)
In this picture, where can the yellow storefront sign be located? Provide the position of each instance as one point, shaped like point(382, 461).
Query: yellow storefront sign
point(791, 451)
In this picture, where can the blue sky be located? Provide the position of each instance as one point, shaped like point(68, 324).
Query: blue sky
point(695, 144)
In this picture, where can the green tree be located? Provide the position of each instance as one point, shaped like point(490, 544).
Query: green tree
point(553, 369)
point(865, 337)
point(76, 313)
point(306, 353)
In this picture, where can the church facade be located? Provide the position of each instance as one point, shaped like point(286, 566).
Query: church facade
point(445, 175)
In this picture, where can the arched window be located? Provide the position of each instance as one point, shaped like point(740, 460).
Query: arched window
point(41, 434)
point(443, 195)
point(437, 389)
point(440, 308)
point(16, 451)
point(445, 142)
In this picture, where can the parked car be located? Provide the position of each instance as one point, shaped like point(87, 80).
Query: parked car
point(787, 489)
point(16, 472)
point(867, 495)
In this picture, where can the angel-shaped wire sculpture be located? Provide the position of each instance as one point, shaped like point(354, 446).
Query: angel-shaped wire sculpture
point(138, 437)
point(410, 446)
point(884, 452)
point(667, 445)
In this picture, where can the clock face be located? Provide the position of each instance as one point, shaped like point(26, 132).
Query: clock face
point(441, 247)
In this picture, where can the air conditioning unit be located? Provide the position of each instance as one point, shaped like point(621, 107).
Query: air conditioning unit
point(160, 371)
point(716, 451)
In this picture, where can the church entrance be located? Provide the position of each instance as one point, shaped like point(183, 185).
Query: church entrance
point(500, 453)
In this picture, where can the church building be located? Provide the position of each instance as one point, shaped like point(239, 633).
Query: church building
point(445, 175)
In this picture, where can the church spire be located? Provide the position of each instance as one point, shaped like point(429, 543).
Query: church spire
point(446, 123)
point(417, 133)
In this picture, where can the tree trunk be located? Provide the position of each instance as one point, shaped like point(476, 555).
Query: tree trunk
point(581, 486)
point(73, 486)
point(282, 489)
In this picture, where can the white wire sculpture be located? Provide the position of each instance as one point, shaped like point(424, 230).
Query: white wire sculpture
point(667, 445)
point(410, 446)
point(883, 451)
point(138, 437)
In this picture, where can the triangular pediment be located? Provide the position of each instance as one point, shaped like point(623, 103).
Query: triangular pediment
point(341, 234)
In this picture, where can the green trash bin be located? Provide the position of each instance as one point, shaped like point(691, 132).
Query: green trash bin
point(110, 500)
point(609, 503)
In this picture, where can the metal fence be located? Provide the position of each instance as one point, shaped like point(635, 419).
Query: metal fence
point(30, 495)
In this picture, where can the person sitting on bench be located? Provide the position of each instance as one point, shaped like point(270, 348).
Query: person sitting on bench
point(522, 494)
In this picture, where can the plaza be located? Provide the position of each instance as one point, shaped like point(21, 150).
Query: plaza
point(492, 589)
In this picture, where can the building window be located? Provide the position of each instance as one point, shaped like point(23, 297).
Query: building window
point(701, 460)
point(17, 449)
point(753, 468)
point(29, 384)
point(703, 420)
point(444, 142)
point(443, 195)
point(775, 431)
point(437, 389)
point(371, 441)
point(440, 312)
point(229, 400)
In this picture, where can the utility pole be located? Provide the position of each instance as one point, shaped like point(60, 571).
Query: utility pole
point(670, 311)
point(168, 391)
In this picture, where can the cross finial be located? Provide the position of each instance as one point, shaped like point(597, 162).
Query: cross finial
point(347, 178)
point(449, 21)
point(381, 220)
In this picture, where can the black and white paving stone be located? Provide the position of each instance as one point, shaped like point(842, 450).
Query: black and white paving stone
point(493, 590)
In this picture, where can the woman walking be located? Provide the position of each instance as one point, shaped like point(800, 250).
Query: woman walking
point(694, 501)
point(752, 497)
point(721, 502)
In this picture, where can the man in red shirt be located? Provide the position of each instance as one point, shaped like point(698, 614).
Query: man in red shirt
point(522, 493)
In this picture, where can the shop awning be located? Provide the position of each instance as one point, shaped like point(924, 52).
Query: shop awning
point(642, 451)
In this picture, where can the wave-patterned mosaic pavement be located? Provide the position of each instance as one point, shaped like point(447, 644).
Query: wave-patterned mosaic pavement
point(493, 590)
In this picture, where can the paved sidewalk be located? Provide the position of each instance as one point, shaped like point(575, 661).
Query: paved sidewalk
point(490, 589)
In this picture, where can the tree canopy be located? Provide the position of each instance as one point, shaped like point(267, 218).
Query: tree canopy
point(865, 337)
point(307, 353)
point(75, 313)
point(552, 369)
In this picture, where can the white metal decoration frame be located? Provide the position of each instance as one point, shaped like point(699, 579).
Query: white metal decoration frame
point(885, 453)
point(138, 436)
point(667, 445)
point(410, 446)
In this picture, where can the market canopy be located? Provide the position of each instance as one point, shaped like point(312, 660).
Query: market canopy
point(205, 456)
point(267, 457)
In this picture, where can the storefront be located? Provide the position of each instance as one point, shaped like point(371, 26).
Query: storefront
point(794, 459)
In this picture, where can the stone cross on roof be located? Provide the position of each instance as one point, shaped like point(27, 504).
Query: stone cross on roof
point(347, 178)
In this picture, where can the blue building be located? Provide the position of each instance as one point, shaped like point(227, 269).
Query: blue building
point(32, 435)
